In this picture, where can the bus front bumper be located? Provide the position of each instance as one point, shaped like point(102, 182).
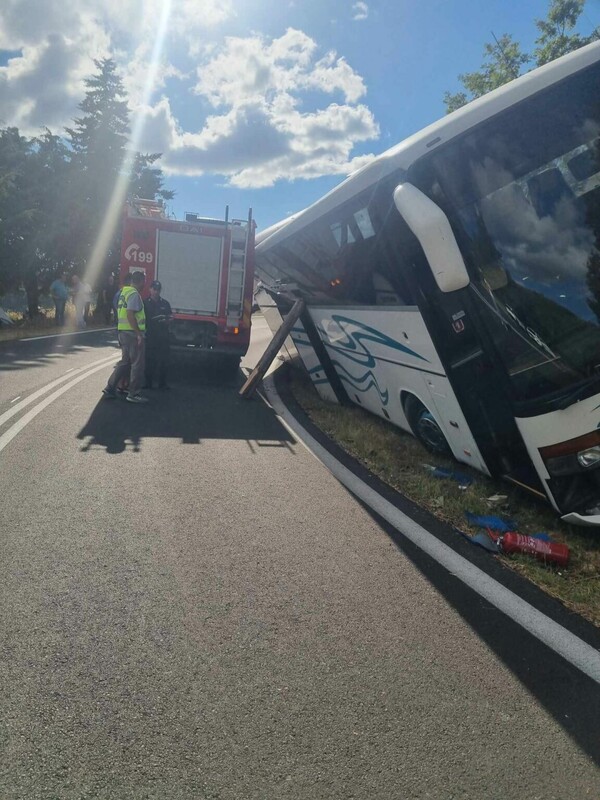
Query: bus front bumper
point(591, 521)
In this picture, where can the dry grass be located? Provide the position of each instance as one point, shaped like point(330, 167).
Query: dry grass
point(398, 459)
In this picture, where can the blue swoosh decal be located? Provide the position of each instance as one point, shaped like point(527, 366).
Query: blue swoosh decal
point(354, 341)
point(384, 395)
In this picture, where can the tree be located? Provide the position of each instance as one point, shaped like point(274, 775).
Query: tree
point(55, 192)
point(505, 58)
point(554, 40)
point(98, 142)
point(49, 169)
point(18, 211)
point(100, 162)
point(33, 229)
point(147, 181)
point(99, 138)
point(503, 63)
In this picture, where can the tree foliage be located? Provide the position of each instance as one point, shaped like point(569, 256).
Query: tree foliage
point(55, 190)
point(504, 59)
point(503, 62)
point(555, 39)
point(146, 180)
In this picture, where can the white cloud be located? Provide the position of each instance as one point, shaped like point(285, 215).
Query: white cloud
point(43, 85)
point(282, 108)
point(58, 43)
point(262, 135)
point(361, 10)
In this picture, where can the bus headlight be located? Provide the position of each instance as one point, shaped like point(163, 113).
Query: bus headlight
point(589, 458)
point(578, 455)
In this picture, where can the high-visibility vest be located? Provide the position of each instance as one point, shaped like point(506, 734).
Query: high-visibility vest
point(122, 321)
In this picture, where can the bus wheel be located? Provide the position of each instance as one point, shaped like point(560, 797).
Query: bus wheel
point(425, 428)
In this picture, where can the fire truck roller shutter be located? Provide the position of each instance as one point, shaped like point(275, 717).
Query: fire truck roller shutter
point(189, 268)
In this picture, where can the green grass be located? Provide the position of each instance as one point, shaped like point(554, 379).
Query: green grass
point(398, 459)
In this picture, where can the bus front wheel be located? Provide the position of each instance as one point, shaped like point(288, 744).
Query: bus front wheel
point(425, 428)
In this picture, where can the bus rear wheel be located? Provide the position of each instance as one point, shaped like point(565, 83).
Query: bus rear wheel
point(425, 428)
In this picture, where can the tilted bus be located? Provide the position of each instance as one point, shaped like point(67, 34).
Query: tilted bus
point(453, 284)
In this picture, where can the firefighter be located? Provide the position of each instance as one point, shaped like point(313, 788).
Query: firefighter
point(158, 317)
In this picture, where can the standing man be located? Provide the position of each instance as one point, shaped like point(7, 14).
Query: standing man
point(158, 317)
point(104, 308)
point(131, 324)
point(60, 294)
point(81, 299)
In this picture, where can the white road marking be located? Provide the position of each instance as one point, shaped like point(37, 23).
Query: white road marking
point(566, 644)
point(17, 427)
point(69, 370)
point(29, 400)
point(60, 335)
point(18, 397)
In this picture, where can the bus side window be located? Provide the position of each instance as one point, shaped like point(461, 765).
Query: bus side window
point(384, 292)
point(392, 262)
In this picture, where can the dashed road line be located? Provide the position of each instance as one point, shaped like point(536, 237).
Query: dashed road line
point(48, 387)
point(18, 426)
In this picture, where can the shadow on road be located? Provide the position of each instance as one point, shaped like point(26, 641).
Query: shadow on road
point(203, 403)
point(18, 354)
point(569, 696)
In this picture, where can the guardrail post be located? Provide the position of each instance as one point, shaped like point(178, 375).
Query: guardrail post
point(273, 348)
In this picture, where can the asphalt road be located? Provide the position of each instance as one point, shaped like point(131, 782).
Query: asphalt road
point(191, 606)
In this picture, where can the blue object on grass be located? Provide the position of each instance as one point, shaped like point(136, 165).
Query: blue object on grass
point(492, 522)
point(459, 477)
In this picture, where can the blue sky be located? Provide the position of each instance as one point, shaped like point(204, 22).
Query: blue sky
point(256, 103)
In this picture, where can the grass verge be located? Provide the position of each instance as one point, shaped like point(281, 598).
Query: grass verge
point(44, 325)
point(399, 459)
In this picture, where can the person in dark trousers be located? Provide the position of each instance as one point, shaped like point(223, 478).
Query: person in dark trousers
point(158, 317)
point(107, 295)
point(60, 294)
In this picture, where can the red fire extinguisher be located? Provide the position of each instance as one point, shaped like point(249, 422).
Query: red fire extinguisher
point(552, 552)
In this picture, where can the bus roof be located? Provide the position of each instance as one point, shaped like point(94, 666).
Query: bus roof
point(404, 154)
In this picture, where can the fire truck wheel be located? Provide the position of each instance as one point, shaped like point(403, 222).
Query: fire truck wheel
point(425, 428)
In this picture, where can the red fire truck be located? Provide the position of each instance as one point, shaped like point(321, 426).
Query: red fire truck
point(206, 268)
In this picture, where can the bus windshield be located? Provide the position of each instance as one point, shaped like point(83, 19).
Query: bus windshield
point(523, 192)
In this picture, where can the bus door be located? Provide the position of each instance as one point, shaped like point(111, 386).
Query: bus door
point(480, 384)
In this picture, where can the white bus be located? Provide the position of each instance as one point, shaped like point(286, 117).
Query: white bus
point(453, 284)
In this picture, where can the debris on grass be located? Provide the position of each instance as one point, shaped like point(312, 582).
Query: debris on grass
point(492, 522)
point(547, 551)
point(496, 498)
point(483, 539)
point(463, 480)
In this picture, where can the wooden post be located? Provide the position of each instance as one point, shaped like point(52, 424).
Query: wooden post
point(273, 348)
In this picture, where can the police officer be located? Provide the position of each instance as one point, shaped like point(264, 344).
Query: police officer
point(131, 322)
point(158, 316)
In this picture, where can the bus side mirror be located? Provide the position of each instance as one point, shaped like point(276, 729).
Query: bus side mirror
point(431, 227)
